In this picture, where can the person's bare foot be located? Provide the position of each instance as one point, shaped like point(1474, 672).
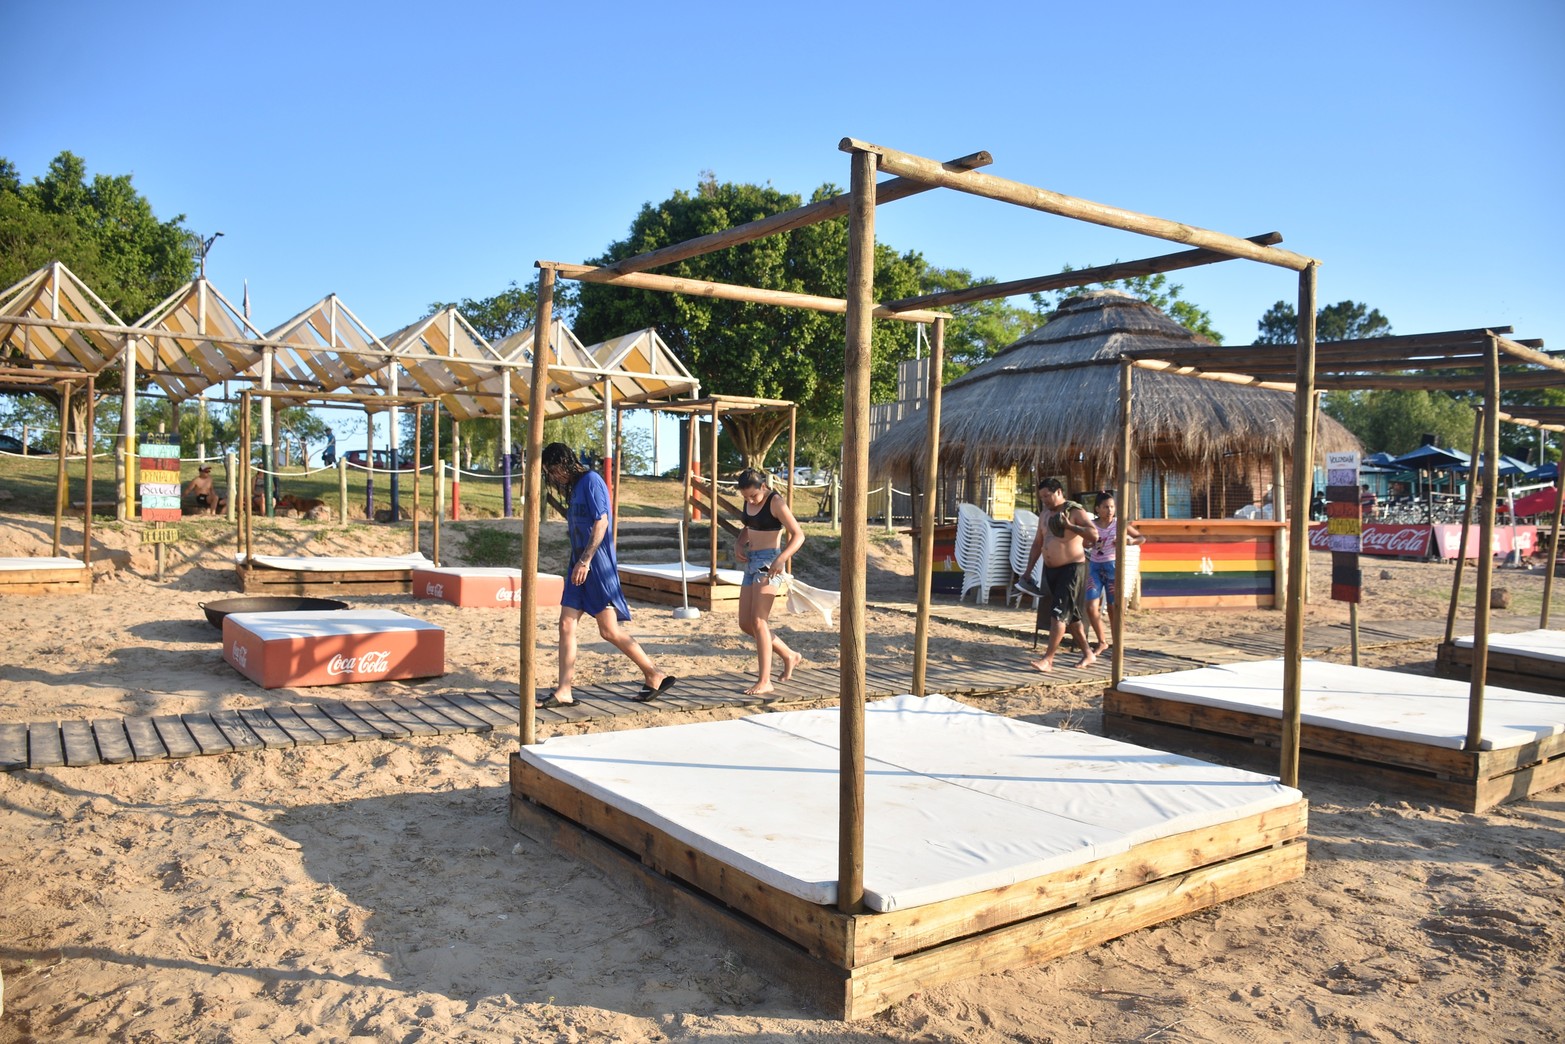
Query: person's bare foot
point(1045, 665)
point(760, 688)
point(789, 663)
point(1088, 658)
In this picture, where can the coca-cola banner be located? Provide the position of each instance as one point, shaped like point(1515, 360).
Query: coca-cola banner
point(1414, 541)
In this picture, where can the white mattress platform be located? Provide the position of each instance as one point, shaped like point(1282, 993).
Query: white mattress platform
point(967, 813)
point(1395, 727)
point(1531, 660)
point(312, 574)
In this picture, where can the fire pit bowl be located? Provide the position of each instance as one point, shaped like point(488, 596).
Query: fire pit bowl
point(215, 611)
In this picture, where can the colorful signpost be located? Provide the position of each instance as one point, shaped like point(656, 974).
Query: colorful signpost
point(160, 488)
point(1344, 526)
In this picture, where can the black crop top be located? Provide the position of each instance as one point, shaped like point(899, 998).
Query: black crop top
point(765, 521)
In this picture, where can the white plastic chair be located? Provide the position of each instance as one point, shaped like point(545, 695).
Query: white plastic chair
point(1024, 527)
point(983, 550)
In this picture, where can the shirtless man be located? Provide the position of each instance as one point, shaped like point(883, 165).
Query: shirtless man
point(200, 491)
point(1061, 531)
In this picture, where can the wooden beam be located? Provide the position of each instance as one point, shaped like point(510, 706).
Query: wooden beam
point(1075, 277)
point(728, 292)
point(987, 185)
point(926, 546)
point(1303, 479)
point(787, 221)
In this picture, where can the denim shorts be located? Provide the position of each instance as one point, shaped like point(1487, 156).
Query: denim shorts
point(759, 559)
point(1100, 580)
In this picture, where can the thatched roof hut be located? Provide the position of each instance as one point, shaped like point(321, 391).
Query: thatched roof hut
point(1049, 405)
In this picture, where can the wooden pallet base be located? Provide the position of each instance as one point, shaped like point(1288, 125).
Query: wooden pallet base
point(268, 580)
point(1505, 669)
point(704, 594)
point(1471, 781)
point(44, 581)
point(853, 965)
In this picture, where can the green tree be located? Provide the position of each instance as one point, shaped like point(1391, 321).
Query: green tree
point(743, 349)
point(1343, 321)
point(101, 229)
point(1395, 421)
point(1154, 289)
point(977, 329)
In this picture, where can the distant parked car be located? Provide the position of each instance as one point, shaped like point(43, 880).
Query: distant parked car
point(12, 444)
point(382, 460)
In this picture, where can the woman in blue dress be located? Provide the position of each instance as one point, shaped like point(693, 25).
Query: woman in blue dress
point(592, 582)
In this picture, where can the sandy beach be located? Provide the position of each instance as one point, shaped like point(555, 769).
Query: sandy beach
point(373, 890)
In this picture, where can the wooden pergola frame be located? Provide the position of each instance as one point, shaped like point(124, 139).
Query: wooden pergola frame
point(63, 379)
point(914, 174)
point(713, 407)
point(1470, 360)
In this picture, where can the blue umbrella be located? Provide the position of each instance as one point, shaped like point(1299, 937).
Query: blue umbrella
point(1432, 457)
point(1508, 466)
point(1378, 460)
point(1547, 473)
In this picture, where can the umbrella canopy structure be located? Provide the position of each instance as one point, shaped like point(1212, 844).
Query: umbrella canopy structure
point(1051, 400)
point(1433, 458)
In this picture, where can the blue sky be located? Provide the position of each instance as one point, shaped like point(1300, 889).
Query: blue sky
point(401, 153)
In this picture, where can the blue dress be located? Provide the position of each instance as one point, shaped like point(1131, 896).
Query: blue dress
point(590, 502)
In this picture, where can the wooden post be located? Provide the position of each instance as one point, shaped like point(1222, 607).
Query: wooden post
point(532, 507)
point(62, 482)
point(687, 479)
point(926, 546)
point(1467, 514)
point(127, 496)
point(711, 479)
point(1491, 493)
point(1280, 514)
point(1121, 535)
point(246, 483)
point(793, 446)
point(1554, 549)
point(230, 476)
point(342, 493)
point(87, 478)
point(617, 450)
point(855, 473)
point(418, 455)
point(440, 497)
point(1303, 449)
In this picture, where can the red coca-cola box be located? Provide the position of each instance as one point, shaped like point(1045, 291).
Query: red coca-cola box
point(480, 586)
point(301, 649)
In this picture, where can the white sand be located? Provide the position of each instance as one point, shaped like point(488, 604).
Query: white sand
point(373, 891)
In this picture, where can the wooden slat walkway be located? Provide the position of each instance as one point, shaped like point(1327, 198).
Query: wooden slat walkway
point(110, 741)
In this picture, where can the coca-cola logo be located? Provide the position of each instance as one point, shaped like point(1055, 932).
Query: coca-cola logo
point(369, 663)
point(1407, 540)
point(435, 590)
point(508, 594)
point(241, 655)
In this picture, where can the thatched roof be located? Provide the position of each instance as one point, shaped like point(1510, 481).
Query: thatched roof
point(1054, 394)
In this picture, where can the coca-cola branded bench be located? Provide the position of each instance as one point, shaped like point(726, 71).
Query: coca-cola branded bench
point(300, 649)
point(480, 586)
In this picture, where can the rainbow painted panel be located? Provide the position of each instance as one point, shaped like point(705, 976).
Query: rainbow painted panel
point(1197, 568)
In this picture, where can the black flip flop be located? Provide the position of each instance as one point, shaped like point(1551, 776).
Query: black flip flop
point(647, 692)
point(553, 700)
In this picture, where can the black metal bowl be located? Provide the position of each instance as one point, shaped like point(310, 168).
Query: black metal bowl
point(215, 611)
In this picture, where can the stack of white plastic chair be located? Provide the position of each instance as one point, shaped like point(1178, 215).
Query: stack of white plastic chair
point(983, 550)
point(1024, 527)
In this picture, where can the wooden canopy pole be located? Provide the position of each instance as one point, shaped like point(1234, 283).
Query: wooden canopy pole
point(1075, 277)
point(1554, 554)
point(1467, 515)
point(711, 477)
point(246, 492)
point(731, 292)
point(688, 480)
point(418, 455)
point(532, 507)
point(977, 183)
point(62, 486)
point(1299, 545)
point(1280, 514)
point(855, 518)
point(87, 478)
point(1121, 533)
point(435, 472)
point(1491, 496)
point(788, 220)
point(926, 522)
point(793, 448)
